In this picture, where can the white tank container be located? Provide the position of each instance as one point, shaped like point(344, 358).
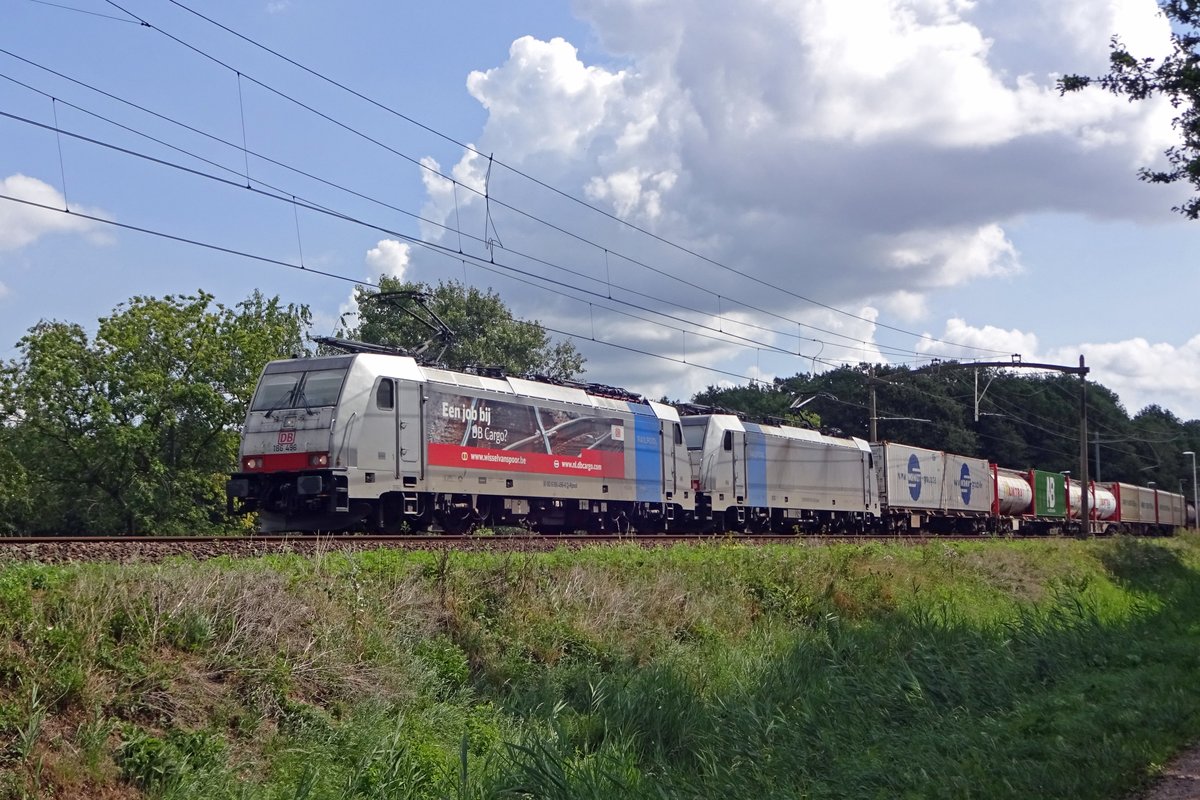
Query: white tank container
point(1014, 494)
point(1102, 504)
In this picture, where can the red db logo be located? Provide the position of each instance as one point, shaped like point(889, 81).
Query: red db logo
point(287, 437)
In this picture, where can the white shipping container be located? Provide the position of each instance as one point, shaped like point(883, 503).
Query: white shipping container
point(967, 484)
point(910, 477)
point(1137, 504)
point(1171, 509)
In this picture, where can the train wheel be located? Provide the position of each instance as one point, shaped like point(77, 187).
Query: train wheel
point(485, 512)
point(649, 525)
point(391, 518)
point(735, 521)
point(456, 515)
point(455, 523)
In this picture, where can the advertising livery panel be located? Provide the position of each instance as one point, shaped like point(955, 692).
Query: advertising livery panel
point(482, 433)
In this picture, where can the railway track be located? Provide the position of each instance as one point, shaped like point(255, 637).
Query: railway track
point(57, 549)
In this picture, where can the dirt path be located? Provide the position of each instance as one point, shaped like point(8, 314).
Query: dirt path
point(1180, 779)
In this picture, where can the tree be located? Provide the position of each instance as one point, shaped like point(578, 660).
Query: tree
point(1177, 77)
point(485, 332)
point(14, 487)
point(1159, 435)
point(136, 430)
point(760, 401)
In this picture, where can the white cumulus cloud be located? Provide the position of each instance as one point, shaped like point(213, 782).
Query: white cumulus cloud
point(963, 341)
point(389, 257)
point(863, 155)
point(21, 225)
point(908, 306)
point(1141, 372)
point(872, 135)
point(948, 258)
point(570, 97)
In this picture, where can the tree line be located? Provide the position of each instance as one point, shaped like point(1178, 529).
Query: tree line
point(133, 429)
point(1025, 420)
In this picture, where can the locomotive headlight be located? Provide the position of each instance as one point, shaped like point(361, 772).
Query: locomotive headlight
point(318, 459)
point(254, 463)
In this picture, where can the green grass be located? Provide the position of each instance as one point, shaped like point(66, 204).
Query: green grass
point(998, 669)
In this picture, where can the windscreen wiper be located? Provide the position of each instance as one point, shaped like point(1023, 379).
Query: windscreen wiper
point(303, 398)
point(284, 402)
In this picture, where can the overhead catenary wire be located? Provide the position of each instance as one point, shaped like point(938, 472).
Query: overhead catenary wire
point(1057, 430)
point(279, 195)
point(536, 181)
point(561, 332)
point(1065, 432)
point(296, 202)
point(323, 273)
point(496, 268)
point(491, 266)
point(487, 243)
point(85, 11)
point(1070, 431)
point(1070, 434)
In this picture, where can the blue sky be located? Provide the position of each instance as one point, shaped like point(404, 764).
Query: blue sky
point(907, 164)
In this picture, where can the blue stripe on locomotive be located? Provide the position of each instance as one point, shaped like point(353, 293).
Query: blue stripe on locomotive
point(647, 449)
point(756, 465)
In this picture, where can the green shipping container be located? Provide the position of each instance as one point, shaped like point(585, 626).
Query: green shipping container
point(1049, 494)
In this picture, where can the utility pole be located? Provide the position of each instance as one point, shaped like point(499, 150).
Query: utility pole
point(1195, 496)
point(1085, 523)
point(873, 427)
point(978, 395)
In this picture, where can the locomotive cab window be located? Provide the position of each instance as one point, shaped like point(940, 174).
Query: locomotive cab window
point(300, 389)
point(321, 387)
point(727, 442)
point(276, 391)
point(678, 434)
point(693, 434)
point(385, 395)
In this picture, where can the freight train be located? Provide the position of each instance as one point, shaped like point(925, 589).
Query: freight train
point(370, 441)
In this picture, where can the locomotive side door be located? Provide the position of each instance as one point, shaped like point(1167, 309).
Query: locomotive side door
point(734, 443)
point(390, 439)
point(377, 438)
point(868, 460)
point(672, 436)
point(410, 409)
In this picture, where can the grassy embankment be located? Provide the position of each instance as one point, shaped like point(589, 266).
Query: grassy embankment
point(1033, 669)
